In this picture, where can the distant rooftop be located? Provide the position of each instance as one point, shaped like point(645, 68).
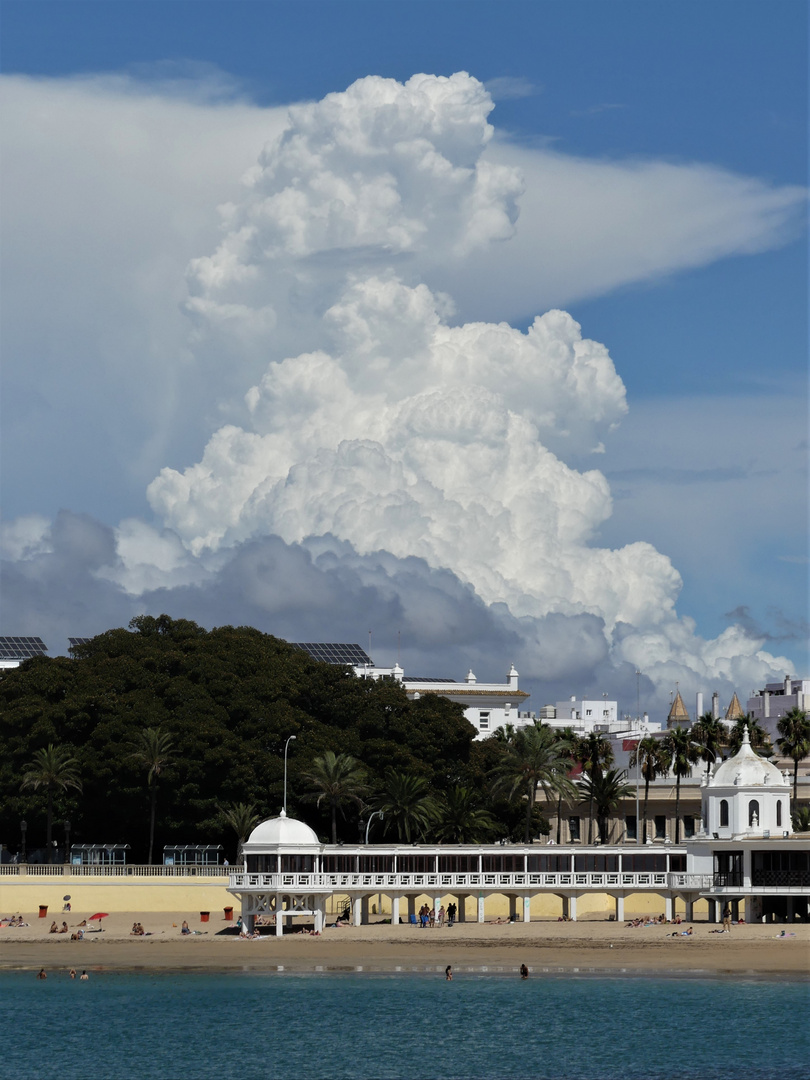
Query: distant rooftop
point(334, 653)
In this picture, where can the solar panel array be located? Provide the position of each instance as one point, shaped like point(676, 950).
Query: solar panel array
point(78, 641)
point(330, 653)
point(416, 678)
point(21, 648)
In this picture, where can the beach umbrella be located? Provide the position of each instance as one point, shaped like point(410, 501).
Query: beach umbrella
point(66, 897)
point(99, 915)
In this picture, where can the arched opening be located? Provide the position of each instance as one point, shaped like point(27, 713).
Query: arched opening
point(779, 813)
point(724, 813)
point(753, 813)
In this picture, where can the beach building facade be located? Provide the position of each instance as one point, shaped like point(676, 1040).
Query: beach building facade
point(743, 853)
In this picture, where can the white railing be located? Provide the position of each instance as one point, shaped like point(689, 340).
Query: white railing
point(92, 870)
point(494, 882)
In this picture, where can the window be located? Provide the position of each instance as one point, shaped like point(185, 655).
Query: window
point(779, 813)
point(573, 829)
point(688, 825)
point(644, 864)
point(660, 827)
point(416, 864)
point(753, 813)
point(297, 864)
point(724, 813)
point(483, 721)
point(548, 864)
point(338, 864)
point(458, 864)
point(505, 864)
point(631, 827)
point(376, 864)
point(596, 864)
point(588, 712)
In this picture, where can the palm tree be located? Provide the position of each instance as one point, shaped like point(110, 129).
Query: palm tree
point(760, 739)
point(52, 768)
point(337, 779)
point(682, 753)
point(794, 729)
point(242, 818)
point(535, 757)
point(153, 748)
point(711, 733)
point(801, 819)
point(653, 762)
point(461, 818)
point(594, 752)
point(407, 804)
point(568, 741)
point(605, 791)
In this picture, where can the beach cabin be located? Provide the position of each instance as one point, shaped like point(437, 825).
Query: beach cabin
point(192, 854)
point(98, 854)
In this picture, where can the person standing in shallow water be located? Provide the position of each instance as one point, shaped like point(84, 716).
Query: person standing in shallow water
point(42, 974)
point(448, 973)
point(524, 971)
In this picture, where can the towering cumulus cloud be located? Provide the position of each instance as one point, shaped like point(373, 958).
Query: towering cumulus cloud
point(397, 431)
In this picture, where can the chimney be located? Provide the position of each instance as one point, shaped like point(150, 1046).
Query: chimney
point(715, 706)
point(512, 678)
point(698, 705)
point(787, 686)
point(766, 703)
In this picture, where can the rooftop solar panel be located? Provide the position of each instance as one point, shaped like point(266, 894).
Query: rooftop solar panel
point(78, 641)
point(21, 648)
point(334, 653)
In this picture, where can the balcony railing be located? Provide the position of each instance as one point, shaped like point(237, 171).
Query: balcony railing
point(90, 870)
point(490, 882)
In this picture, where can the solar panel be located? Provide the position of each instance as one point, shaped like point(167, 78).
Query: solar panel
point(332, 653)
point(21, 648)
point(73, 641)
point(416, 678)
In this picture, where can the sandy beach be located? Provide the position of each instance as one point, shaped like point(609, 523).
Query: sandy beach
point(543, 946)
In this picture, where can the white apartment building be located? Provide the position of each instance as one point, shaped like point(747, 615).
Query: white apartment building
point(775, 699)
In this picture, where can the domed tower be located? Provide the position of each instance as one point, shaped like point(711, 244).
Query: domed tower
point(746, 797)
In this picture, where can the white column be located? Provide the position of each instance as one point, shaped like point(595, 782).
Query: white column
point(669, 907)
point(480, 907)
point(527, 909)
point(318, 921)
point(357, 911)
point(279, 914)
point(572, 908)
point(364, 911)
point(690, 909)
point(437, 903)
point(394, 910)
point(619, 909)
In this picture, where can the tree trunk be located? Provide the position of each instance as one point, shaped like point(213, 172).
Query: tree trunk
point(678, 808)
point(152, 822)
point(529, 804)
point(49, 830)
point(590, 817)
point(559, 818)
point(795, 784)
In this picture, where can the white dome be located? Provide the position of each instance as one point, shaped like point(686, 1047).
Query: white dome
point(746, 769)
point(282, 831)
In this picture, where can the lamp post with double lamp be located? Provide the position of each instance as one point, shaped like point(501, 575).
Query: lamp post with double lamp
point(67, 841)
point(23, 832)
point(286, 745)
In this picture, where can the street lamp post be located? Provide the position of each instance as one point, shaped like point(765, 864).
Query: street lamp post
point(23, 831)
point(67, 841)
point(286, 744)
point(377, 813)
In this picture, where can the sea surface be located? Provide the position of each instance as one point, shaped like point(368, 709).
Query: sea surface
point(359, 1025)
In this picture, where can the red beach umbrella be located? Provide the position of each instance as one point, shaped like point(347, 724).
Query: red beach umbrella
point(99, 915)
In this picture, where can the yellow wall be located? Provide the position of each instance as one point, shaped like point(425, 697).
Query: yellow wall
point(112, 895)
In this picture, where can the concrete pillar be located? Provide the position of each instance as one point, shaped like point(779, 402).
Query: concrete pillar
point(394, 910)
point(512, 907)
point(735, 910)
point(527, 909)
point(411, 906)
point(318, 915)
point(462, 907)
point(619, 908)
point(357, 911)
point(669, 907)
point(364, 911)
point(690, 910)
point(572, 908)
point(480, 907)
point(790, 909)
point(279, 914)
point(248, 922)
point(712, 916)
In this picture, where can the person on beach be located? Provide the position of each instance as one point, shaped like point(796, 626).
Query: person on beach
point(84, 977)
point(451, 913)
point(64, 929)
point(186, 929)
point(727, 918)
point(524, 971)
point(440, 916)
point(42, 974)
point(448, 973)
point(54, 928)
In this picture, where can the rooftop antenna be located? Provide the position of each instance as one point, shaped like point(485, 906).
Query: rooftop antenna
point(369, 643)
point(399, 644)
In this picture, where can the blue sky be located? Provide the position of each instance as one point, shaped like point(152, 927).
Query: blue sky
point(709, 463)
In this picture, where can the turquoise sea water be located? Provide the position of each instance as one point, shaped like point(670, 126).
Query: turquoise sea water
point(480, 1026)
